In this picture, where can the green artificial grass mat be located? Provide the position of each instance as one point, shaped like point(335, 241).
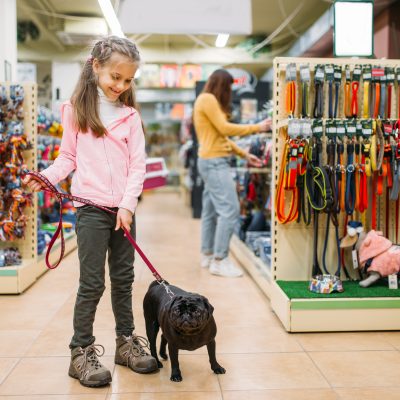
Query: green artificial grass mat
point(299, 290)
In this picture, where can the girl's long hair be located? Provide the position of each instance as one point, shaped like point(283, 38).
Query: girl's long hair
point(85, 96)
point(219, 84)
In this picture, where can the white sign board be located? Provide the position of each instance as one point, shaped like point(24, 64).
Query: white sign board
point(186, 16)
point(26, 72)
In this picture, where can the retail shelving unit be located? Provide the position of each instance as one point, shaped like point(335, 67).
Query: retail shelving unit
point(292, 244)
point(15, 279)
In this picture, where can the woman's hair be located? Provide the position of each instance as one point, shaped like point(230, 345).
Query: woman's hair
point(85, 96)
point(219, 84)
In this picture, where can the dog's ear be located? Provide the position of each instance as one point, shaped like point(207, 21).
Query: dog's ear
point(207, 304)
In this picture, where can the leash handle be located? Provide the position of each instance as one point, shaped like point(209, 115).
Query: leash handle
point(50, 188)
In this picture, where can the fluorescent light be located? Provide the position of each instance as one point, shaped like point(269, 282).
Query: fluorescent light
point(222, 40)
point(111, 17)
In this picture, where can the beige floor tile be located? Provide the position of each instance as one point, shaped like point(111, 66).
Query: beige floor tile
point(369, 394)
point(298, 394)
point(393, 338)
point(6, 366)
point(166, 396)
point(196, 372)
point(269, 371)
point(347, 341)
point(46, 375)
point(16, 343)
point(259, 339)
point(359, 369)
point(57, 397)
point(55, 343)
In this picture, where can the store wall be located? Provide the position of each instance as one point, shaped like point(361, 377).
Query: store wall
point(64, 79)
point(8, 40)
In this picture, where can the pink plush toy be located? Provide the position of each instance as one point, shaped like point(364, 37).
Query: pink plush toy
point(384, 256)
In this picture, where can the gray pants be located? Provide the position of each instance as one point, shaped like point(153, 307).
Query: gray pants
point(220, 209)
point(96, 235)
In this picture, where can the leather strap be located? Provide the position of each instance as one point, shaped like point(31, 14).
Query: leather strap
point(59, 232)
point(366, 86)
point(290, 97)
point(350, 198)
point(389, 100)
point(354, 99)
point(382, 106)
point(319, 100)
point(381, 145)
point(357, 176)
point(347, 100)
point(373, 208)
point(281, 190)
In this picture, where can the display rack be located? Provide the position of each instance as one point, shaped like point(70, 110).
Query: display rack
point(292, 244)
point(16, 279)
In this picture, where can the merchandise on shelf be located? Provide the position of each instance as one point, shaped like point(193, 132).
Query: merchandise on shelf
point(253, 187)
point(13, 143)
point(344, 164)
point(49, 142)
point(48, 123)
point(10, 256)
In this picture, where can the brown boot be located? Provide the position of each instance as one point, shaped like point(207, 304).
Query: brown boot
point(130, 352)
point(86, 367)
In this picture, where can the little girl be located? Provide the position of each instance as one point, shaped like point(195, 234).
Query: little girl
point(103, 142)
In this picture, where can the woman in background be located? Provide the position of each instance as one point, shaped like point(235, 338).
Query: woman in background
point(220, 210)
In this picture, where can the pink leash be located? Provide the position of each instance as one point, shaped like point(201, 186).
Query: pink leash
point(59, 232)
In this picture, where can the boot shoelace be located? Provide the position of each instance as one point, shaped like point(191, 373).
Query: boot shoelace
point(90, 354)
point(135, 347)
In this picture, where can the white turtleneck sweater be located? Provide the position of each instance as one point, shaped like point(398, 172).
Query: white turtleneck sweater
point(108, 109)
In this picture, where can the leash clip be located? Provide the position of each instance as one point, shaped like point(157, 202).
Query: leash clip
point(170, 293)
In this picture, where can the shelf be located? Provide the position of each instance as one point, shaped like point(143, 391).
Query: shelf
point(335, 314)
point(16, 279)
point(255, 267)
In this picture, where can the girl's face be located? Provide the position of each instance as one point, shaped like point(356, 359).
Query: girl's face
point(116, 75)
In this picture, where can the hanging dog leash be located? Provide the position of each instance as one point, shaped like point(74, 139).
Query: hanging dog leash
point(50, 188)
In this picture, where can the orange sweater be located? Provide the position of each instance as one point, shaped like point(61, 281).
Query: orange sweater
point(213, 129)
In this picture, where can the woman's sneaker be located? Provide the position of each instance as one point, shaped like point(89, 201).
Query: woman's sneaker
point(205, 260)
point(86, 367)
point(226, 268)
point(130, 351)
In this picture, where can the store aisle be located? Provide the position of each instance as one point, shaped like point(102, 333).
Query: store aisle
point(263, 362)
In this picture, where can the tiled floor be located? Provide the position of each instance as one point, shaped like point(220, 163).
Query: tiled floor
point(263, 362)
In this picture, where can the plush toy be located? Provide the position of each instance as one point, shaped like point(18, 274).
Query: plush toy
point(377, 255)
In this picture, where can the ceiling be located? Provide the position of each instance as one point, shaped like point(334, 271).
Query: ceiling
point(54, 43)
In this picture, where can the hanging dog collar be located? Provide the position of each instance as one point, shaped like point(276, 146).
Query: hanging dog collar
point(366, 85)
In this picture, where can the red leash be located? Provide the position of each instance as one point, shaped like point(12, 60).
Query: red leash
point(59, 232)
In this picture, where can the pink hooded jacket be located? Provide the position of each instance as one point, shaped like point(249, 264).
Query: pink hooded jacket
point(109, 170)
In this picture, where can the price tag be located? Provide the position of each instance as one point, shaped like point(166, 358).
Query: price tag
point(393, 282)
point(355, 259)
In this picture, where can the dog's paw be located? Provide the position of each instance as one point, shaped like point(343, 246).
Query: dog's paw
point(164, 356)
point(159, 364)
point(219, 370)
point(176, 376)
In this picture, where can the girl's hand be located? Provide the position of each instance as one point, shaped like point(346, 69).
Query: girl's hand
point(32, 183)
point(253, 160)
point(124, 219)
point(265, 125)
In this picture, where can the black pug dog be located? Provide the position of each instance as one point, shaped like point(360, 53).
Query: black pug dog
point(186, 322)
